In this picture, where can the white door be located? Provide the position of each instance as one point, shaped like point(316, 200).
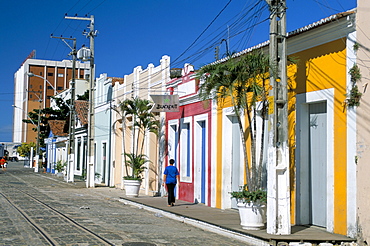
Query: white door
point(235, 158)
point(318, 163)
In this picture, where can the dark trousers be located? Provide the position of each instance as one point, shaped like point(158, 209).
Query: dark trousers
point(171, 193)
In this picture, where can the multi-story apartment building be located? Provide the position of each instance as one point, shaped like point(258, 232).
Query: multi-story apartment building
point(34, 83)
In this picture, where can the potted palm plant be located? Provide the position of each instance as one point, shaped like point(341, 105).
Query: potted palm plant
point(138, 111)
point(252, 207)
point(137, 165)
point(60, 166)
point(242, 81)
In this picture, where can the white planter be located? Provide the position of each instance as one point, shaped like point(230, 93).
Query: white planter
point(132, 187)
point(252, 215)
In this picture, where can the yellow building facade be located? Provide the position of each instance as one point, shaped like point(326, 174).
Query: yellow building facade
point(322, 130)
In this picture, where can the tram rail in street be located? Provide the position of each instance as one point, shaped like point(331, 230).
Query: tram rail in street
point(10, 194)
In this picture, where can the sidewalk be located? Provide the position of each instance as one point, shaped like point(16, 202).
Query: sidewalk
point(227, 222)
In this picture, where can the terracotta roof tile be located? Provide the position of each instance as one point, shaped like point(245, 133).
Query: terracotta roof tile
point(58, 127)
point(116, 79)
point(82, 110)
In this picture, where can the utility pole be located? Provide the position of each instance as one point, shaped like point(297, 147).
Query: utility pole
point(38, 138)
point(278, 186)
point(90, 168)
point(72, 115)
point(38, 131)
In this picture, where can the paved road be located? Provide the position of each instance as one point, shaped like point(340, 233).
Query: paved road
point(41, 209)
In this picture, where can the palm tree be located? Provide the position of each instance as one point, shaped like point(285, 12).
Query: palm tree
point(137, 162)
point(123, 110)
point(242, 80)
point(144, 121)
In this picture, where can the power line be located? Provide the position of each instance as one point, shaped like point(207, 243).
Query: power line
point(96, 7)
point(144, 79)
point(73, 6)
point(326, 5)
point(235, 27)
point(214, 19)
point(84, 6)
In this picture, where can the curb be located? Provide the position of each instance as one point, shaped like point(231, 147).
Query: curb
point(200, 224)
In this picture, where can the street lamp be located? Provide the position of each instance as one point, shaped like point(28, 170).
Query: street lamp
point(34, 75)
point(38, 134)
point(26, 114)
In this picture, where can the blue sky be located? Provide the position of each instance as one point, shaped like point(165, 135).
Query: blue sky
point(138, 32)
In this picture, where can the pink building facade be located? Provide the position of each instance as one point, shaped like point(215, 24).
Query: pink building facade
point(188, 137)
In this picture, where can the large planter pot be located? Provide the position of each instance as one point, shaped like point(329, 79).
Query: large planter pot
point(132, 187)
point(252, 215)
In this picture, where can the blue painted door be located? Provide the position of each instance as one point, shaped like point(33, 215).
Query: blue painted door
point(203, 162)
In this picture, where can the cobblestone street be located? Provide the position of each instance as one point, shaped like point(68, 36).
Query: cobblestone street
point(41, 209)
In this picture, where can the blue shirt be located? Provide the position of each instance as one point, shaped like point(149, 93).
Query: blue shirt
point(171, 172)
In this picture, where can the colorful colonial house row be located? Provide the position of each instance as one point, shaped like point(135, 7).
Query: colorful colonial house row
point(328, 133)
point(328, 130)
